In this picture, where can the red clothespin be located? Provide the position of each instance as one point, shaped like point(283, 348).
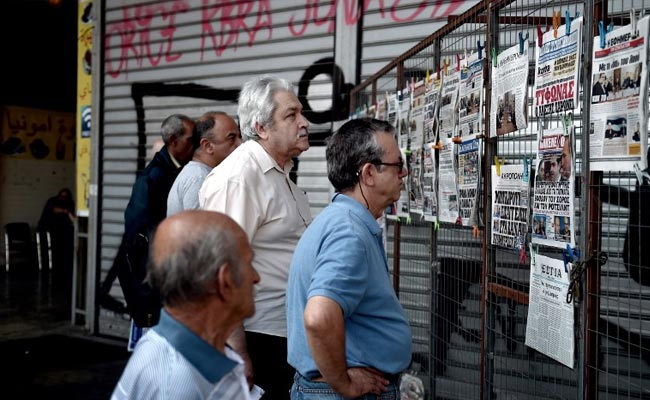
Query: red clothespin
point(457, 62)
point(540, 36)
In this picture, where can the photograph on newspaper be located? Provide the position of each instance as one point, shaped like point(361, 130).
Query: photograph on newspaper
point(509, 112)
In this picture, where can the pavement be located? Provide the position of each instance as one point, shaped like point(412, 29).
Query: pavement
point(42, 355)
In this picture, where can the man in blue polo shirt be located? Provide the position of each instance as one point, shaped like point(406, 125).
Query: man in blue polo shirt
point(201, 263)
point(347, 332)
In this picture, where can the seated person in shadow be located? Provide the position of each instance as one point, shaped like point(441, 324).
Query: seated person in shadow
point(58, 219)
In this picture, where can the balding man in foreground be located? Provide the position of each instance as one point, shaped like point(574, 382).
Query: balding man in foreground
point(201, 263)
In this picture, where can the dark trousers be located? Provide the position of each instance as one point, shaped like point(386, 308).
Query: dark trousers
point(272, 373)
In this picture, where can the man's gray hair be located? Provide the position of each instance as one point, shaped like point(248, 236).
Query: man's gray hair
point(173, 126)
point(188, 274)
point(256, 103)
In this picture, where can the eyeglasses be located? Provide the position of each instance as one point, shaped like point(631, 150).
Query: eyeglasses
point(399, 164)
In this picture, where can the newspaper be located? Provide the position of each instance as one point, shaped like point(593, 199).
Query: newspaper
point(510, 91)
point(469, 165)
point(553, 204)
point(431, 104)
point(447, 189)
point(470, 93)
point(448, 105)
point(619, 100)
point(549, 328)
point(381, 109)
point(404, 121)
point(510, 196)
point(556, 70)
point(416, 149)
point(429, 184)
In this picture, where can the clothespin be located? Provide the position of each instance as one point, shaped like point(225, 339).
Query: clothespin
point(445, 66)
point(567, 120)
point(567, 21)
point(497, 163)
point(479, 49)
point(438, 146)
point(457, 139)
point(576, 14)
point(540, 36)
point(633, 20)
point(494, 57)
point(526, 175)
point(556, 22)
point(427, 78)
point(476, 231)
point(569, 256)
point(533, 253)
point(641, 175)
point(458, 62)
point(459, 220)
point(436, 225)
point(523, 257)
point(408, 220)
point(604, 32)
point(522, 40)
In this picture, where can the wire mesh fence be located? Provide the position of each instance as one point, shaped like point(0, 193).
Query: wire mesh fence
point(468, 301)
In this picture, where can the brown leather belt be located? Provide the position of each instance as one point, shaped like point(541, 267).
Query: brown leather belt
point(392, 378)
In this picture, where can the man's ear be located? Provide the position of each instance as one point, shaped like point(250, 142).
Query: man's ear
point(224, 283)
point(261, 130)
point(367, 174)
point(204, 144)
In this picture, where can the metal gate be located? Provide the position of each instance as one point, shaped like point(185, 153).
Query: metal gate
point(467, 300)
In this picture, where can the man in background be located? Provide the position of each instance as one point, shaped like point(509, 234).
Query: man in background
point(217, 135)
point(348, 333)
point(201, 263)
point(252, 186)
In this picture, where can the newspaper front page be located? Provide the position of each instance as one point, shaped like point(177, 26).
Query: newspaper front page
point(447, 189)
point(470, 93)
point(556, 70)
point(549, 328)
point(469, 165)
point(554, 198)
point(619, 100)
point(510, 194)
point(509, 112)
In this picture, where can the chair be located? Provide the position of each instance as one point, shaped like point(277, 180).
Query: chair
point(46, 247)
point(18, 244)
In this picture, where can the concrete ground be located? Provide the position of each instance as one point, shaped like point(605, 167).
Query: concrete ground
point(41, 354)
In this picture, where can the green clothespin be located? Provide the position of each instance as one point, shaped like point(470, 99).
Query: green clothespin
point(494, 57)
point(436, 224)
point(408, 220)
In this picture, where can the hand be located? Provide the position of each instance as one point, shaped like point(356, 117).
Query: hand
point(248, 370)
point(363, 381)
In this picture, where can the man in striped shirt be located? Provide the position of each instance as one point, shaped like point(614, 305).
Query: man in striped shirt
point(201, 262)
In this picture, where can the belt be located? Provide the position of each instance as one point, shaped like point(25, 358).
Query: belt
point(392, 378)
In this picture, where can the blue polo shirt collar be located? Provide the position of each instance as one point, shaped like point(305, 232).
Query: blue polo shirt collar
point(210, 362)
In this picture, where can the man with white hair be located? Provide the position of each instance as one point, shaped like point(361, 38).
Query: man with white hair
point(253, 187)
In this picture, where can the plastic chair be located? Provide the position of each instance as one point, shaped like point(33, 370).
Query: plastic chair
point(18, 243)
point(44, 234)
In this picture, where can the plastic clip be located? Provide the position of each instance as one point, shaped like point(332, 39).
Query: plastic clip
point(475, 231)
point(526, 175)
point(604, 32)
point(457, 62)
point(523, 40)
point(494, 57)
point(569, 256)
point(497, 163)
point(540, 36)
point(533, 253)
point(557, 17)
point(436, 225)
point(633, 21)
point(523, 257)
point(479, 49)
point(445, 66)
point(567, 21)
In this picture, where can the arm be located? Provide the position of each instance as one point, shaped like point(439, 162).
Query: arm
point(238, 342)
point(325, 329)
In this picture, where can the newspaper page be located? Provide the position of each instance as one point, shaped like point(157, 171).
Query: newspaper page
point(381, 109)
point(449, 105)
point(619, 100)
point(431, 104)
point(510, 196)
point(510, 91)
point(429, 184)
point(553, 204)
point(549, 327)
point(416, 148)
point(391, 109)
point(470, 95)
point(404, 122)
point(468, 178)
point(556, 70)
point(447, 189)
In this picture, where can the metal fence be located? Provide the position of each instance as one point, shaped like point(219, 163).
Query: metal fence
point(468, 300)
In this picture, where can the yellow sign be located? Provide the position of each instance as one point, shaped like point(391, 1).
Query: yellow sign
point(84, 101)
point(39, 134)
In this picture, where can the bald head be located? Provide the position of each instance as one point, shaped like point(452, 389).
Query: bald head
point(187, 251)
point(218, 135)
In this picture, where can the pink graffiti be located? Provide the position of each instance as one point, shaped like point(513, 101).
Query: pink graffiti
point(133, 36)
point(132, 39)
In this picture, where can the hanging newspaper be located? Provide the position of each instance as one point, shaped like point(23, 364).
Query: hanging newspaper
point(404, 121)
point(430, 199)
point(447, 189)
point(556, 70)
point(549, 328)
point(449, 105)
point(431, 104)
point(471, 97)
point(510, 196)
point(381, 109)
point(416, 149)
point(510, 91)
point(468, 178)
point(619, 100)
point(392, 107)
point(553, 204)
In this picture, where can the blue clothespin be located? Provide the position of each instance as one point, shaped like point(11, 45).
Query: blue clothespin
point(604, 32)
point(577, 13)
point(525, 177)
point(567, 21)
point(522, 39)
point(569, 256)
point(479, 49)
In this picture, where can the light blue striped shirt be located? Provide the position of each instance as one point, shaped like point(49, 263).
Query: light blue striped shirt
point(172, 362)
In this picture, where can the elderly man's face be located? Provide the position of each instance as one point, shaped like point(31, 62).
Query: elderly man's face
point(225, 138)
point(551, 169)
